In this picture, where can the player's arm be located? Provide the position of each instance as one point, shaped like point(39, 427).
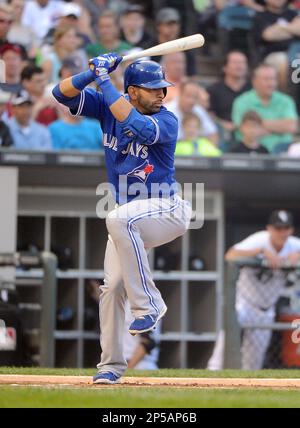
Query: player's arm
point(234, 253)
point(100, 68)
point(252, 246)
point(273, 259)
point(121, 109)
point(294, 256)
point(68, 91)
point(72, 93)
point(145, 128)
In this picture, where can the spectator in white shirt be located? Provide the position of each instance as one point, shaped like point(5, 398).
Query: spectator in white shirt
point(41, 15)
point(18, 33)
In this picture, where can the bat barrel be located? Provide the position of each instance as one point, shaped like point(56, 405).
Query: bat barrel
point(178, 45)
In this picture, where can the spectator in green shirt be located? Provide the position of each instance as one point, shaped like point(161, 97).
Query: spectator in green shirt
point(109, 36)
point(277, 110)
point(193, 142)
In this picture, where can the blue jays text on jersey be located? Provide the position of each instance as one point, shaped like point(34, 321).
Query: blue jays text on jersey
point(138, 150)
point(141, 148)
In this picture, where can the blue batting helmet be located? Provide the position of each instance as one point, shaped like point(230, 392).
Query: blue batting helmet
point(145, 74)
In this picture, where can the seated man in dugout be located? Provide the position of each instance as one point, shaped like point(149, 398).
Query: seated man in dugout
point(258, 290)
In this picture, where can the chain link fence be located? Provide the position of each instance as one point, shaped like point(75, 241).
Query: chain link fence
point(261, 316)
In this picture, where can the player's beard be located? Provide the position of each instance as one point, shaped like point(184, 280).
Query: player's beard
point(148, 107)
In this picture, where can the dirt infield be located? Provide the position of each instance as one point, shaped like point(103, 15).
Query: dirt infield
point(86, 382)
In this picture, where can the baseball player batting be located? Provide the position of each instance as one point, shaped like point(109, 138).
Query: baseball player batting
point(139, 137)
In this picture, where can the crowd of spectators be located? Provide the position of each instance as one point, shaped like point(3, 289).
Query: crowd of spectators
point(250, 108)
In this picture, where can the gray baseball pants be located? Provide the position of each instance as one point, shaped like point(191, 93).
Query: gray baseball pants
point(134, 229)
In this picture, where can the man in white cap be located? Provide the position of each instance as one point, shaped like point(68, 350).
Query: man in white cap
point(69, 15)
point(258, 290)
point(27, 133)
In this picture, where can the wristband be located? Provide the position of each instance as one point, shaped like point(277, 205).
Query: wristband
point(110, 93)
point(81, 80)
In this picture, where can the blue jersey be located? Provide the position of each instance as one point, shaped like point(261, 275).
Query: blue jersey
point(137, 162)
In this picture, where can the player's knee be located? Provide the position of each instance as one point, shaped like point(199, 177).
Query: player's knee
point(115, 225)
point(113, 287)
point(116, 289)
point(182, 228)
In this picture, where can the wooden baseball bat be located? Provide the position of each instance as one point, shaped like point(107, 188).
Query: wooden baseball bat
point(182, 44)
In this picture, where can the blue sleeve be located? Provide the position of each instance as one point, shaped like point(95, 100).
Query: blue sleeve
point(153, 129)
point(168, 127)
point(90, 104)
point(98, 132)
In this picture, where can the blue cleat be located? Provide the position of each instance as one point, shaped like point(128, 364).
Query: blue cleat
point(145, 323)
point(106, 378)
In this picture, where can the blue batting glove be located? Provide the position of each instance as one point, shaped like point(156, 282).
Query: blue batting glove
point(115, 59)
point(104, 64)
point(100, 74)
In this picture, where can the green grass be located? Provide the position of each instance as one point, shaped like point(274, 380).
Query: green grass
point(278, 374)
point(164, 397)
point(146, 397)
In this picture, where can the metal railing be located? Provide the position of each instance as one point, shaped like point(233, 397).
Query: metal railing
point(48, 262)
point(232, 328)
